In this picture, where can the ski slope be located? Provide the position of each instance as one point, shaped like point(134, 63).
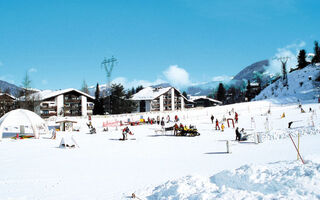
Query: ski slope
point(154, 165)
point(302, 87)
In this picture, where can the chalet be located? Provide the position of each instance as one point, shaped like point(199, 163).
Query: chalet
point(204, 101)
point(159, 99)
point(7, 103)
point(67, 102)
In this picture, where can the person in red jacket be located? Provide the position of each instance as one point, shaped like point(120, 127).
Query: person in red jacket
point(236, 117)
point(217, 125)
point(125, 132)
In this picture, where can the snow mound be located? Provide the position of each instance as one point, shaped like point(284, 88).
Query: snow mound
point(285, 179)
point(302, 86)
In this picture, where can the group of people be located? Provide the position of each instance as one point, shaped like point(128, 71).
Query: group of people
point(161, 121)
point(217, 127)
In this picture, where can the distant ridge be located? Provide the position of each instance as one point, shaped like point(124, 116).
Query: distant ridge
point(13, 89)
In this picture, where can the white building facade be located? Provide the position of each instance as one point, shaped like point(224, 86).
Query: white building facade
point(68, 102)
point(159, 99)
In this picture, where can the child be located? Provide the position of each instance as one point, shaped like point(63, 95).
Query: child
point(222, 127)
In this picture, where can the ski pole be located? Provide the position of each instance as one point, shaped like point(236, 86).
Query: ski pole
point(296, 148)
point(298, 145)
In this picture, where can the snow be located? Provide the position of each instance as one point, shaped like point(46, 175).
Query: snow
point(12, 97)
point(302, 87)
point(46, 94)
point(11, 122)
point(277, 180)
point(150, 93)
point(155, 165)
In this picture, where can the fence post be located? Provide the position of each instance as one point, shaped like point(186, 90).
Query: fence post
point(228, 146)
point(255, 135)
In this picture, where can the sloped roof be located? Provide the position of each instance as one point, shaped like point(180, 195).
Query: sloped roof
point(46, 94)
point(150, 93)
point(12, 97)
point(195, 98)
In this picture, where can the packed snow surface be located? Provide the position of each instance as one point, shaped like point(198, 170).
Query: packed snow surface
point(157, 165)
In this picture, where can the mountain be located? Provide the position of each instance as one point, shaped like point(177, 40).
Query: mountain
point(248, 73)
point(303, 86)
point(11, 88)
point(206, 88)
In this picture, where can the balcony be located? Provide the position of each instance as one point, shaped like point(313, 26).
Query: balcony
point(46, 115)
point(72, 100)
point(44, 107)
point(72, 108)
point(72, 114)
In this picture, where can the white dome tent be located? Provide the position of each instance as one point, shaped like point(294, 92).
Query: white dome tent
point(22, 121)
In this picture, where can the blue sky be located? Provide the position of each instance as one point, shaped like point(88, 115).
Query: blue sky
point(61, 43)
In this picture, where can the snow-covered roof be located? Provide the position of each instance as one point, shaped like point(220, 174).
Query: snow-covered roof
point(254, 84)
point(195, 98)
point(150, 93)
point(46, 94)
point(12, 97)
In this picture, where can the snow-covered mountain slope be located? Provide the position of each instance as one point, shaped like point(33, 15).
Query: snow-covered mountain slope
point(302, 87)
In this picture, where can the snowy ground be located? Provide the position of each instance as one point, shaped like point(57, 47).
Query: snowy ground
point(158, 166)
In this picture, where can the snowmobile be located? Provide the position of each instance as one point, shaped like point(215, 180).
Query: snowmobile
point(191, 132)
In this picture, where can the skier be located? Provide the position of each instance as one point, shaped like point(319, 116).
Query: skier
point(238, 134)
point(222, 127)
point(176, 119)
point(162, 121)
point(217, 125)
point(168, 119)
point(236, 117)
point(158, 119)
point(212, 118)
point(125, 132)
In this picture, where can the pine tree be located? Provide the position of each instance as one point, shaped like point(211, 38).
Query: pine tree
point(133, 91)
point(231, 93)
point(140, 87)
point(284, 75)
point(316, 58)
point(98, 102)
point(221, 93)
point(119, 102)
point(184, 93)
point(27, 102)
point(248, 92)
point(302, 63)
